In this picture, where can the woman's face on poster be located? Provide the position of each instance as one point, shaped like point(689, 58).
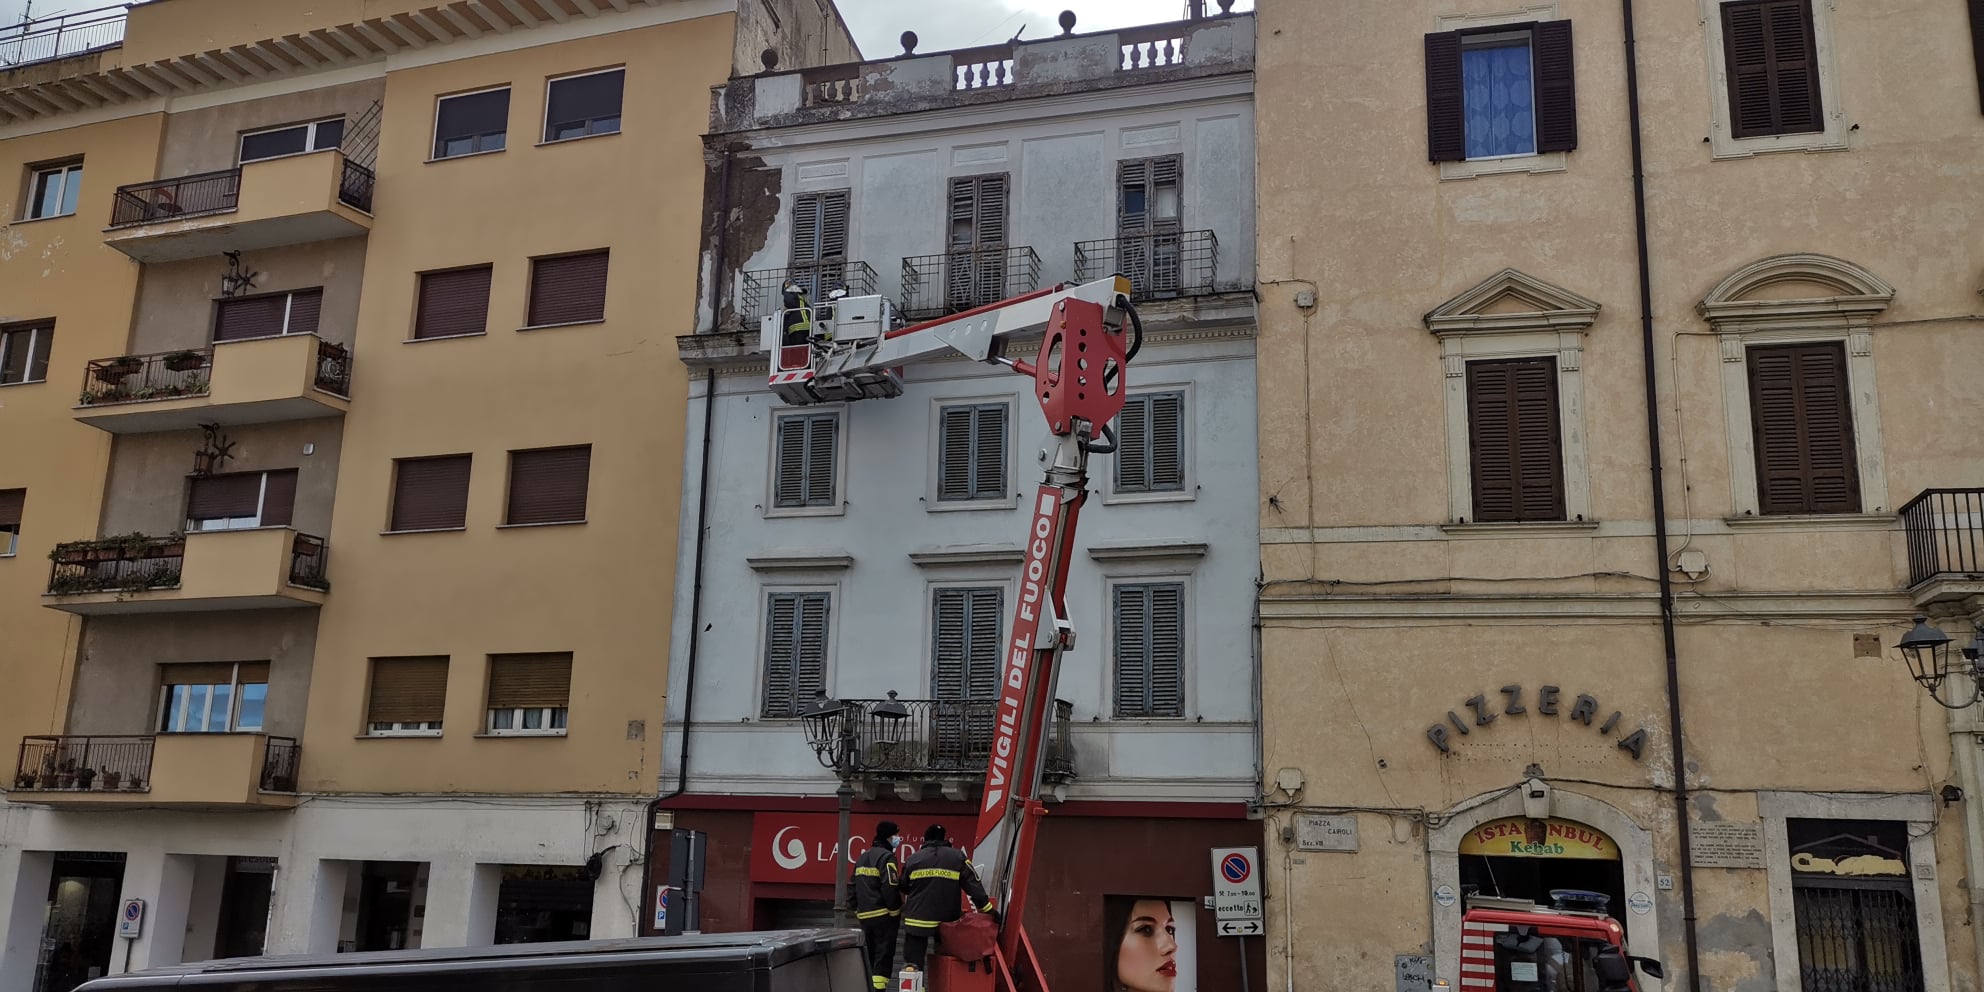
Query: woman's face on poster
point(1147, 960)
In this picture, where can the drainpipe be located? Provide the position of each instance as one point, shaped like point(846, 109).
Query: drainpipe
point(1648, 358)
point(1965, 729)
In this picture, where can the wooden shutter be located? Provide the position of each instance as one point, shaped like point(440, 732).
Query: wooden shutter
point(1802, 417)
point(1446, 111)
point(215, 497)
point(795, 652)
point(954, 453)
point(305, 306)
point(1133, 446)
point(1514, 440)
point(1977, 45)
point(819, 227)
point(978, 211)
point(250, 317)
point(806, 460)
point(972, 452)
point(568, 289)
point(529, 680)
point(407, 690)
point(1133, 196)
point(548, 485)
point(12, 502)
point(249, 672)
point(1150, 650)
point(430, 493)
point(988, 462)
point(1150, 444)
point(1771, 59)
point(1556, 87)
point(965, 627)
point(451, 303)
point(279, 498)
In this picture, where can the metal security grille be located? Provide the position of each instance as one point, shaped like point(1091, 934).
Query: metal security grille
point(1859, 939)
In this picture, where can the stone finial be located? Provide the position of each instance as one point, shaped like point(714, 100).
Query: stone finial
point(1068, 22)
point(770, 58)
point(909, 43)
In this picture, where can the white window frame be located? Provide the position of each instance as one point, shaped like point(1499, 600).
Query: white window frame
point(35, 337)
point(972, 577)
point(1188, 425)
point(934, 450)
point(839, 505)
point(544, 117)
point(547, 715)
point(70, 172)
point(309, 139)
point(1554, 328)
point(1723, 143)
point(234, 708)
point(828, 662)
point(434, 128)
point(1156, 572)
point(429, 728)
point(235, 523)
point(1740, 322)
point(10, 540)
point(1534, 162)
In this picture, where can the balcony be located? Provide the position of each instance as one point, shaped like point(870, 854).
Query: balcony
point(207, 571)
point(936, 285)
point(947, 744)
point(1944, 529)
point(292, 200)
point(763, 288)
point(253, 381)
point(1159, 266)
point(182, 771)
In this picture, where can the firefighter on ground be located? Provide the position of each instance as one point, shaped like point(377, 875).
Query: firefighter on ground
point(878, 901)
point(932, 880)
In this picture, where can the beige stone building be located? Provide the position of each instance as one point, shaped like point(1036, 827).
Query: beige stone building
point(1468, 581)
point(339, 439)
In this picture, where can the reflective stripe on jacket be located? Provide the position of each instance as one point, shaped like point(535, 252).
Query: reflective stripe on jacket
point(875, 884)
point(932, 881)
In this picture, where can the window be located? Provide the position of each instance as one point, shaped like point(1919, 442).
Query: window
point(581, 106)
point(567, 289)
point(1804, 429)
point(819, 229)
point(430, 493)
point(1771, 57)
point(407, 696)
point(53, 189)
point(12, 502)
point(275, 314)
point(1500, 91)
point(1977, 43)
point(241, 500)
point(971, 452)
point(1150, 444)
point(803, 471)
point(452, 303)
point(795, 652)
point(966, 650)
point(471, 123)
point(24, 353)
point(1513, 440)
point(1150, 649)
point(1148, 220)
point(293, 139)
point(975, 272)
point(528, 693)
point(548, 486)
point(216, 698)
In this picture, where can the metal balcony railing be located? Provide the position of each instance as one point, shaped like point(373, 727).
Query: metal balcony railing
point(99, 764)
point(280, 760)
point(355, 186)
point(162, 376)
point(307, 556)
point(935, 285)
point(763, 288)
point(172, 199)
point(334, 368)
point(1159, 266)
point(127, 563)
point(949, 737)
point(61, 36)
point(1945, 533)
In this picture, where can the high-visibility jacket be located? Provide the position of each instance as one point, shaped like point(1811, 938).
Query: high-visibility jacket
point(875, 890)
point(931, 882)
point(798, 318)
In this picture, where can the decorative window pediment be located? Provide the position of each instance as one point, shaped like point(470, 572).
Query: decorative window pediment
point(1800, 289)
point(1512, 301)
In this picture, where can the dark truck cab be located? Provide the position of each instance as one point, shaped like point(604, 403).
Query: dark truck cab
point(768, 961)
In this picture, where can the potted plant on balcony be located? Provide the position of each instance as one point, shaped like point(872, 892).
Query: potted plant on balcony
point(24, 781)
point(136, 783)
point(185, 361)
point(115, 370)
point(85, 777)
point(110, 780)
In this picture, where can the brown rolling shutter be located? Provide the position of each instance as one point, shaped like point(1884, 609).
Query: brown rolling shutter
point(1513, 440)
point(305, 305)
point(12, 501)
point(529, 680)
point(548, 485)
point(252, 671)
point(1556, 87)
point(214, 497)
point(430, 493)
point(198, 673)
point(407, 690)
point(279, 498)
point(569, 289)
point(1802, 418)
point(452, 303)
point(1771, 59)
point(250, 317)
point(1977, 46)
point(1446, 114)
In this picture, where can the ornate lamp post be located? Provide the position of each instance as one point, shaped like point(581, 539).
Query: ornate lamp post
point(1927, 651)
point(835, 729)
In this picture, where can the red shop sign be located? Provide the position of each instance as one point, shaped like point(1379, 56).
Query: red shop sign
point(799, 848)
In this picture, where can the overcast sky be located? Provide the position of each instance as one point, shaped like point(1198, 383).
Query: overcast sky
point(939, 24)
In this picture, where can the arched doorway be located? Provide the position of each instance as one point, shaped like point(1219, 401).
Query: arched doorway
point(1519, 858)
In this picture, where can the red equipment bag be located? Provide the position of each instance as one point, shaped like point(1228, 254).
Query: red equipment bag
point(972, 937)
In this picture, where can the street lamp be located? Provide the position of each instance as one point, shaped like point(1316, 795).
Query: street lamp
point(1927, 651)
point(834, 732)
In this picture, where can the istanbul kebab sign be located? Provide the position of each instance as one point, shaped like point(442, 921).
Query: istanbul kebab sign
point(1548, 702)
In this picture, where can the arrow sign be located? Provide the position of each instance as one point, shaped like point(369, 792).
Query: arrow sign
point(1239, 928)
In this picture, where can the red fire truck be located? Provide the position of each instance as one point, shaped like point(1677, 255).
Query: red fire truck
point(1514, 945)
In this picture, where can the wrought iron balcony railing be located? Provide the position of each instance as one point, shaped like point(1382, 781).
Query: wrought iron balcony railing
point(764, 288)
point(935, 285)
point(949, 738)
point(1159, 266)
point(127, 563)
point(355, 186)
point(1945, 533)
point(307, 556)
point(334, 368)
point(61, 36)
point(172, 199)
point(85, 764)
point(133, 378)
point(280, 761)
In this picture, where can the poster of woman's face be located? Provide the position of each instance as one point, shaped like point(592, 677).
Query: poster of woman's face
point(1150, 944)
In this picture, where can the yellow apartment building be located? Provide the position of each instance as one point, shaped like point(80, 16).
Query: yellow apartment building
point(341, 464)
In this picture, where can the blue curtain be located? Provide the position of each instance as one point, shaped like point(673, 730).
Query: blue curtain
point(1501, 113)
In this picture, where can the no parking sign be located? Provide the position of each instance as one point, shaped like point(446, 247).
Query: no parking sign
point(131, 919)
point(1236, 890)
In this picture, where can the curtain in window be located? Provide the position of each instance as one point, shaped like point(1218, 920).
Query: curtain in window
point(1499, 97)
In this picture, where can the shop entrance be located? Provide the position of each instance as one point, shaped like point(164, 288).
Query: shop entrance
point(83, 898)
point(1520, 858)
